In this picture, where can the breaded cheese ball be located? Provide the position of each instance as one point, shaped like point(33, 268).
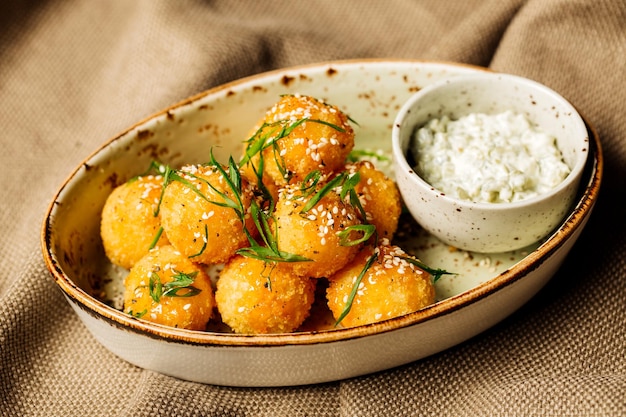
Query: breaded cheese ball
point(254, 297)
point(379, 197)
point(165, 287)
point(391, 287)
point(129, 226)
point(315, 233)
point(198, 227)
point(308, 147)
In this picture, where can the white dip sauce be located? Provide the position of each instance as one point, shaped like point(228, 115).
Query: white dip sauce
point(488, 158)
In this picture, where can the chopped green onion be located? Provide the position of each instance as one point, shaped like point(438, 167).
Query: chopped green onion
point(355, 288)
point(368, 231)
point(156, 238)
point(204, 243)
point(435, 273)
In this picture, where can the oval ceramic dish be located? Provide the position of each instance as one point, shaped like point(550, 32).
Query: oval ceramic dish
point(486, 289)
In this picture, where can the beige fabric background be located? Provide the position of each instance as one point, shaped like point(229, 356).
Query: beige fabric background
point(73, 73)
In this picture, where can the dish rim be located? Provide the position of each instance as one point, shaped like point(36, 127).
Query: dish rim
point(96, 308)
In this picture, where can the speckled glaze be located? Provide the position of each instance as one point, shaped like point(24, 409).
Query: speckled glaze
point(488, 227)
point(485, 290)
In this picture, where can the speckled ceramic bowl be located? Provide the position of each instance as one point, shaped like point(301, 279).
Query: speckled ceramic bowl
point(484, 226)
point(485, 289)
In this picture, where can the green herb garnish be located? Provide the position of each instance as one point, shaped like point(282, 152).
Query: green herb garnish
point(355, 288)
point(328, 187)
point(435, 273)
point(155, 287)
point(204, 243)
point(357, 155)
point(137, 315)
point(156, 238)
point(368, 231)
point(269, 252)
point(180, 286)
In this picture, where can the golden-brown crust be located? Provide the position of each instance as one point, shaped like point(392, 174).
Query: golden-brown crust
point(321, 143)
point(198, 227)
point(129, 226)
point(315, 233)
point(390, 287)
point(380, 198)
point(163, 264)
point(258, 298)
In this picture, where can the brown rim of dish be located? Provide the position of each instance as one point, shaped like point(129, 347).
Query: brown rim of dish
point(590, 185)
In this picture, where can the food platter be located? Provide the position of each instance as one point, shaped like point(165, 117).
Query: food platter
point(485, 289)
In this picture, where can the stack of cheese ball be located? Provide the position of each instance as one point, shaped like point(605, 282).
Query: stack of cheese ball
point(292, 214)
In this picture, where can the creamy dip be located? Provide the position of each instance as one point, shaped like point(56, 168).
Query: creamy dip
point(488, 158)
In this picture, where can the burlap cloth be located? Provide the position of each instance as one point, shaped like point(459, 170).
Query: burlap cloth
point(74, 73)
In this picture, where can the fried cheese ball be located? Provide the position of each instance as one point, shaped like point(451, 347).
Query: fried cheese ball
point(254, 297)
point(379, 197)
point(391, 287)
point(320, 143)
point(165, 287)
point(198, 227)
point(315, 234)
point(128, 225)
